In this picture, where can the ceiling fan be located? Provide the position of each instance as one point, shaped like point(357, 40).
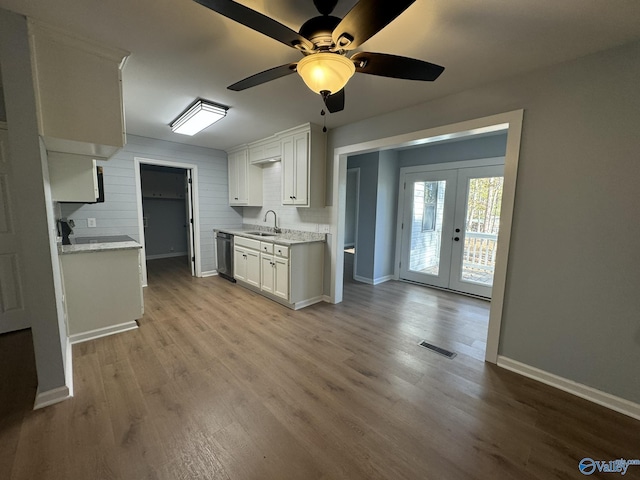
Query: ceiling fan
point(325, 41)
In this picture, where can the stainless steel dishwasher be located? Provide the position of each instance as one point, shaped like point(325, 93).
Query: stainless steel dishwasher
point(224, 248)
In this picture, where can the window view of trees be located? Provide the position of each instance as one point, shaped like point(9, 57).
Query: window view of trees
point(483, 204)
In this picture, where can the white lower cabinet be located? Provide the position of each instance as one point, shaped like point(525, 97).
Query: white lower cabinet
point(247, 265)
point(290, 275)
point(274, 275)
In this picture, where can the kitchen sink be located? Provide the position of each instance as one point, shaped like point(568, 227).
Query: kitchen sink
point(261, 234)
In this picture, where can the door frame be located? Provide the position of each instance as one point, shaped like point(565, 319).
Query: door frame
point(509, 121)
point(433, 167)
point(137, 161)
point(356, 170)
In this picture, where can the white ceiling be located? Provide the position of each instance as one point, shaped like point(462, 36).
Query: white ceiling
point(181, 50)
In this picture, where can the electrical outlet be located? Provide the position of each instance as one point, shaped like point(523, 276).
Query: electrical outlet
point(325, 228)
point(91, 222)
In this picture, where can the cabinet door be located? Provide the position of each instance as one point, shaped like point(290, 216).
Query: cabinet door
point(253, 267)
point(266, 273)
point(288, 170)
point(281, 277)
point(239, 264)
point(301, 169)
point(73, 178)
point(233, 179)
point(238, 191)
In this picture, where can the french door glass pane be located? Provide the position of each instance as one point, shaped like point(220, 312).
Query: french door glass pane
point(484, 197)
point(426, 226)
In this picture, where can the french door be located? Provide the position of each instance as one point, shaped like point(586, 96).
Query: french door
point(450, 225)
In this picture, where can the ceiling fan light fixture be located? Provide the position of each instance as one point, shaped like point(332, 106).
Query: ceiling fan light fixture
point(326, 72)
point(198, 116)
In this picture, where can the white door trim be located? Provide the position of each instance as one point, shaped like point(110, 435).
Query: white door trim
point(355, 235)
point(137, 161)
point(510, 121)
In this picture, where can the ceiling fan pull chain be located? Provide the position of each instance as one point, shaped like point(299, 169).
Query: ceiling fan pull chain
point(324, 122)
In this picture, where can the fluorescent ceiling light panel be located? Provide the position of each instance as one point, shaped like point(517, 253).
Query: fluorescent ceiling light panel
point(198, 117)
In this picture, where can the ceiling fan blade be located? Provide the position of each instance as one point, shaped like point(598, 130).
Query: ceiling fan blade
point(394, 66)
point(366, 19)
point(263, 77)
point(325, 7)
point(335, 102)
point(258, 22)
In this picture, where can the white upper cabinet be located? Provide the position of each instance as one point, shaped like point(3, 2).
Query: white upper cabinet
point(72, 178)
point(264, 151)
point(78, 91)
point(245, 180)
point(303, 167)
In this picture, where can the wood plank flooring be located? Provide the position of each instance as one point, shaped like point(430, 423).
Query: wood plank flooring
point(221, 383)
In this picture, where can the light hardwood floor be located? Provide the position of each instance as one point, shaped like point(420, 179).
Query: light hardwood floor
point(221, 383)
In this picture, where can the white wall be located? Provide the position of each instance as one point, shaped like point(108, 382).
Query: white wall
point(118, 214)
point(571, 300)
point(39, 267)
point(290, 217)
point(351, 209)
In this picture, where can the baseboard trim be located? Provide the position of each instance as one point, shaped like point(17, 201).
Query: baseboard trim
point(379, 280)
point(68, 371)
point(210, 273)
point(102, 332)
point(358, 278)
point(620, 405)
point(167, 255)
point(306, 303)
point(55, 395)
point(327, 298)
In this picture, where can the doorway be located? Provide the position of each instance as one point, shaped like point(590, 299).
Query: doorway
point(511, 123)
point(449, 223)
point(167, 198)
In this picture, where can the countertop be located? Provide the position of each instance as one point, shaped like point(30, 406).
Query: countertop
point(98, 244)
point(287, 237)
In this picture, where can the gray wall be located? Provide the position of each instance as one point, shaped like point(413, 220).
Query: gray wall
point(375, 249)
point(365, 249)
point(456, 151)
point(571, 300)
point(118, 214)
point(166, 232)
point(386, 214)
point(32, 207)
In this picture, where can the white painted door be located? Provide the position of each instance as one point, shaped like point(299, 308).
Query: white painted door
point(239, 264)
point(476, 225)
point(253, 267)
point(13, 315)
point(266, 273)
point(288, 170)
point(429, 205)
point(281, 277)
point(301, 187)
point(450, 228)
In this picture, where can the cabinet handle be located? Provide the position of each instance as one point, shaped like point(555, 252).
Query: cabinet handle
point(235, 198)
point(294, 197)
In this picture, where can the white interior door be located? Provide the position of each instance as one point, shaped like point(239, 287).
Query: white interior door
point(13, 315)
point(450, 228)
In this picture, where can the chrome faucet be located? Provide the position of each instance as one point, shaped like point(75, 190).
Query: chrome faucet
point(275, 221)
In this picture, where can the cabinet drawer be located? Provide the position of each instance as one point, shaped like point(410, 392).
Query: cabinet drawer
point(266, 247)
point(281, 251)
point(246, 242)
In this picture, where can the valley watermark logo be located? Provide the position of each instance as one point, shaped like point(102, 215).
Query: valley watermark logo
point(589, 466)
